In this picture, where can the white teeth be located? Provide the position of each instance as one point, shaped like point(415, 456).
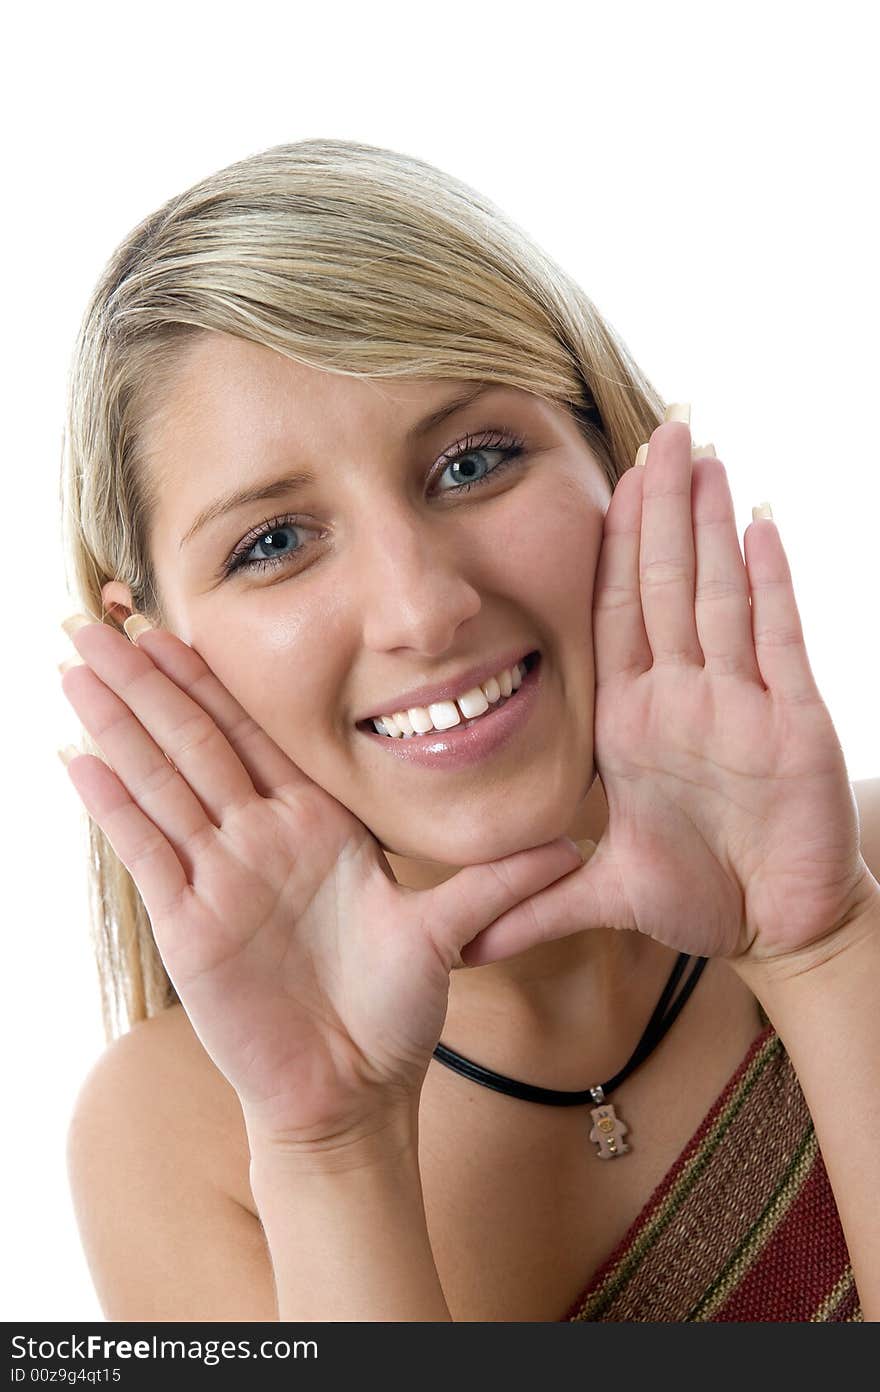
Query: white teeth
point(386, 728)
point(421, 720)
point(443, 715)
point(473, 703)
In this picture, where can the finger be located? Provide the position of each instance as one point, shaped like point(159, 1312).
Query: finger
point(776, 625)
point(464, 904)
point(620, 641)
point(138, 842)
point(270, 769)
point(593, 897)
point(723, 610)
point(140, 765)
point(667, 562)
point(137, 716)
point(177, 698)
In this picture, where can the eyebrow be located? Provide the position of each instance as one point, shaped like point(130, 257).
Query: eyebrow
point(286, 484)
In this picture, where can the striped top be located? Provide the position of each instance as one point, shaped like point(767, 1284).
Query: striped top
point(744, 1226)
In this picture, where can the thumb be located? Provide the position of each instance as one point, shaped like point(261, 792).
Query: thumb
point(466, 903)
point(593, 897)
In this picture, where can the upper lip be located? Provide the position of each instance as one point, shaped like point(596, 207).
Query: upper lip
point(451, 687)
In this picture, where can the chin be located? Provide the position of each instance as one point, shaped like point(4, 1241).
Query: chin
point(480, 844)
point(490, 823)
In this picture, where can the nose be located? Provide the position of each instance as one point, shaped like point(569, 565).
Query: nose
point(412, 583)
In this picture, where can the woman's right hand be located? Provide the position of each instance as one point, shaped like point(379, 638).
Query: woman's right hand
point(316, 983)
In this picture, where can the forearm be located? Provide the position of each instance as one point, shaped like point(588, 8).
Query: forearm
point(828, 1017)
point(348, 1241)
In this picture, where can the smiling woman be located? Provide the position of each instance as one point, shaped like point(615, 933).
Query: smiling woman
point(343, 790)
point(203, 379)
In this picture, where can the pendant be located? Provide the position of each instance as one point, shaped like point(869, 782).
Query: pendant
point(608, 1128)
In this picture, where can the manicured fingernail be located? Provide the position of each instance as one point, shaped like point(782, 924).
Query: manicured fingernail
point(703, 452)
point(70, 662)
point(680, 411)
point(762, 510)
point(69, 752)
point(135, 625)
point(77, 621)
point(641, 455)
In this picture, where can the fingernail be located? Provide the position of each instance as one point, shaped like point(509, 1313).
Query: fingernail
point(77, 621)
point(641, 455)
point(135, 625)
point(69, 752)
point(70, 662)
point(680, 411)
point(703, 452)
point(762, 510)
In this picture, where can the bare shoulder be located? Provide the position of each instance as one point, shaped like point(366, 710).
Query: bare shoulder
point(161, 1067)
point(157, 1162)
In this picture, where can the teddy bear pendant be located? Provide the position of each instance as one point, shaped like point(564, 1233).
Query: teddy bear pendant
point(608, 1129)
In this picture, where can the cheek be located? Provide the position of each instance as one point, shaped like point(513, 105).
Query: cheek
point(552, 549)
point(278, 673)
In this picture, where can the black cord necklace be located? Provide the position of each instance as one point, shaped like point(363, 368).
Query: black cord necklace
point(608, 1129)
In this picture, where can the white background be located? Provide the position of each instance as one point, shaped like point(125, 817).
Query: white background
point(707, 173)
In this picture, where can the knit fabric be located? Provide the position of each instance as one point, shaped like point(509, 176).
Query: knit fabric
point(744, 1226)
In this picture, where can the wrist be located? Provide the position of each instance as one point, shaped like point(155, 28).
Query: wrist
point(378, 1143)
point(847, 948)
point(346, 1229)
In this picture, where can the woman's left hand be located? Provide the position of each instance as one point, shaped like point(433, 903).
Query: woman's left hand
point(732, 825)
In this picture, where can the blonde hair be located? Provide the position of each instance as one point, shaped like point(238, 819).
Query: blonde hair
point(344, 257)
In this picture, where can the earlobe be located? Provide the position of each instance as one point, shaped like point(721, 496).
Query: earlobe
point(117, 601)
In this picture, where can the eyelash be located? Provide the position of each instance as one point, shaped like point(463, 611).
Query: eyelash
point(506, 442)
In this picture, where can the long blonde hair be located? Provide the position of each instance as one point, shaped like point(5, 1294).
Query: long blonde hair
point(344, 257)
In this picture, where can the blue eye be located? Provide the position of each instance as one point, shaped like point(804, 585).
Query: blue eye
point(273, 530)
point(508, 446)
point(469, 448)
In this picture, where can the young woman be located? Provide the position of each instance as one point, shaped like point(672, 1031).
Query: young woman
point(372, 593)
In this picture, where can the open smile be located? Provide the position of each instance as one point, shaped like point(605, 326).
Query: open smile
point(471, 740)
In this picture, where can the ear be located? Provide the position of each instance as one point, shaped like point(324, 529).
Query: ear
point(117, 600)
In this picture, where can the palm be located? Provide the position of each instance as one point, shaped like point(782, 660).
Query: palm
point(732, 827)
point(730, 817)
point(354, 993)
point(316, 983)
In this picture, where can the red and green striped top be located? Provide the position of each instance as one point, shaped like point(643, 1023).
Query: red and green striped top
point(744, 1226)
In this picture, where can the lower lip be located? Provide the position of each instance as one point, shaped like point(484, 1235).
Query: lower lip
point(460, 746)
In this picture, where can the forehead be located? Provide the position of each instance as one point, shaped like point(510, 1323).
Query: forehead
point(233, 385)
